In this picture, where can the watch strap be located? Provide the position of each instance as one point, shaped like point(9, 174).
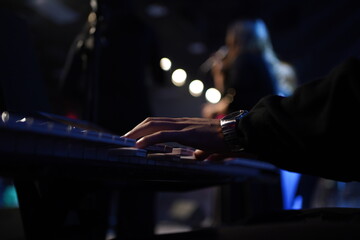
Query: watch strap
point(230, 131)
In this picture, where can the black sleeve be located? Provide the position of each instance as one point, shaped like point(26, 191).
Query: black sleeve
point(315, 131)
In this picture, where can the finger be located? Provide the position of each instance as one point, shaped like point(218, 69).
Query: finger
point(160, 137)
point(154, 124)
point(200, 154)
point(150, 125)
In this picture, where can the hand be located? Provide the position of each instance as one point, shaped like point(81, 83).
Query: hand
point(203, 134)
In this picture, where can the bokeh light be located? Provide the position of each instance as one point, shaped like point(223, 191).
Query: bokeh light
point(196, 88)
point(212, 95)
point(178, 77)
point(165, 64)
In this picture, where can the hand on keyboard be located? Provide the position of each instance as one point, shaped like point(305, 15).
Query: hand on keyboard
point(202, 134)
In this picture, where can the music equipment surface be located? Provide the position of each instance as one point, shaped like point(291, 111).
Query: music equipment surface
point(60, 146)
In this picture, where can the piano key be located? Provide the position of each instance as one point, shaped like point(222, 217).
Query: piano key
point(188, 158)
point(183, 151)
point(128, 151)
point(50, 128)
point(164, 157)
point(159, 148)
point(120, 140)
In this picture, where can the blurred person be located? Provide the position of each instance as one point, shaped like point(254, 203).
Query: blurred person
point(106, 79)
point(110, 68)
point(247, 69)
point(313, 131)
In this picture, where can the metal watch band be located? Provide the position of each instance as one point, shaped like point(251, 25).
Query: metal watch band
point(229, 129)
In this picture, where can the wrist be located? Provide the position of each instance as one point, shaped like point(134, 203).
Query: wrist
point(229, 126)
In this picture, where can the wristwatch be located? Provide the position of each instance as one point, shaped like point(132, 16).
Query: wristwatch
point(229, 129)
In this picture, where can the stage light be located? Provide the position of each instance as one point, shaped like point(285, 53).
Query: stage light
point(196, 88)
point(178, 77)
point(212, 95)
point(165, 64)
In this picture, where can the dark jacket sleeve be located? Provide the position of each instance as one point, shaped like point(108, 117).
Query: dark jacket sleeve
point(315, 131)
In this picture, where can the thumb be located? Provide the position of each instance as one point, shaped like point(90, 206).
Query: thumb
point(200, 154)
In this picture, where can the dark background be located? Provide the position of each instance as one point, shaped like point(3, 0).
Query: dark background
point(313, 36)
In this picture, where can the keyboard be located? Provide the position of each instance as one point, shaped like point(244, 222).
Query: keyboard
point(77, 148)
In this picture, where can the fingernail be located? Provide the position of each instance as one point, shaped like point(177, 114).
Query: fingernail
point(139, 143)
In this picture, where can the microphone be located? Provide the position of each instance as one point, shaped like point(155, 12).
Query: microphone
point(220, 54)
